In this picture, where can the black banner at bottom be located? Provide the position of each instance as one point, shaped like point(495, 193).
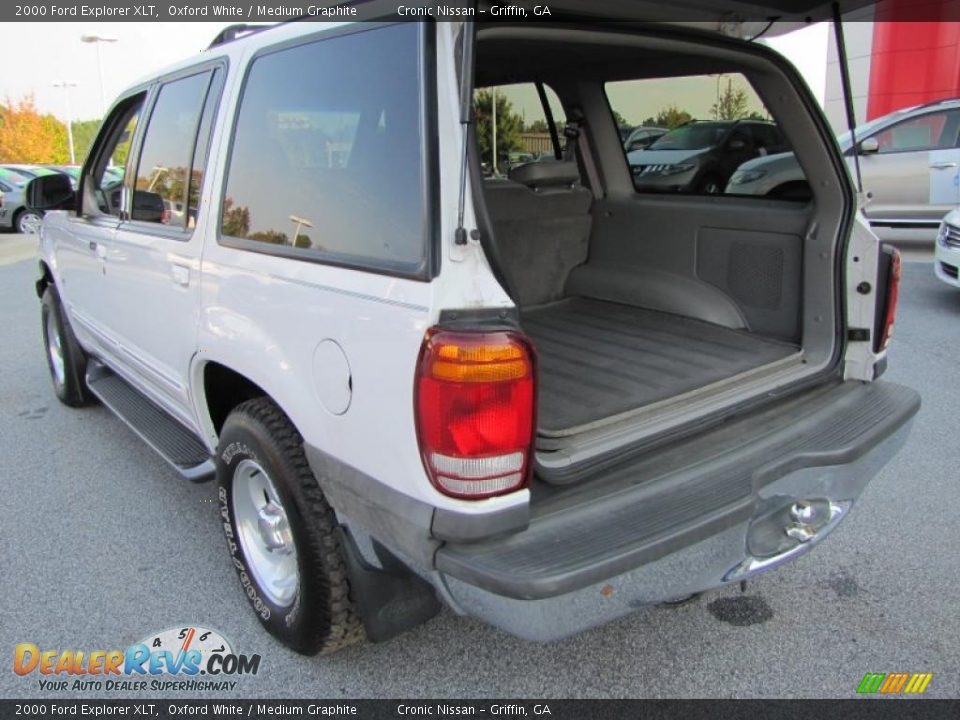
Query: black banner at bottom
point(543, 709)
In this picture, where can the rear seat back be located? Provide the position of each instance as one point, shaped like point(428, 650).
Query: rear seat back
point(541, 219)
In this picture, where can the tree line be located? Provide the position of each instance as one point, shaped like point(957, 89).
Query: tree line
point(30, 137)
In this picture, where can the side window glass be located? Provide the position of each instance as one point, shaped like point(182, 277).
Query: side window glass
point(703, 134)
point(520, 125)
point(926, 132)
point(160, 188)
point(106, 183)
point(329, 165)
point(200, 154)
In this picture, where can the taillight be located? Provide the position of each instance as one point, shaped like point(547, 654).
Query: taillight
point(893, 294)
point(475, 400)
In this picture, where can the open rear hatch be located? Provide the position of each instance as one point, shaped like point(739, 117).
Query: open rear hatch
point(655, 314)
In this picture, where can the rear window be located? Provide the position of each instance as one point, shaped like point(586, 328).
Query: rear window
point(705, 134)
point(327, 157)
point(932, 131)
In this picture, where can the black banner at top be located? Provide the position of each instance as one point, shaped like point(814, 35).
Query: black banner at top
point(243, 11)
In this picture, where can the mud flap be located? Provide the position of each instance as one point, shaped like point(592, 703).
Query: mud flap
point(389, 600)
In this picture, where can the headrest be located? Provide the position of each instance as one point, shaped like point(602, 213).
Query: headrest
point(546, 173)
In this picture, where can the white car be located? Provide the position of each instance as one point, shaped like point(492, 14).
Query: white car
point(541, 402)
point(947, 249)
point(909, 161)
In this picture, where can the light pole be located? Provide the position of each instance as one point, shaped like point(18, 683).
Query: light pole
point(158, 172)
point(301, 223)
point(66, 94)
point(96, 40)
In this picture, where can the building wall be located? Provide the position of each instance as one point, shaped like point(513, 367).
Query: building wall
point(913, 61)
point(902, 53)
point(858, 36)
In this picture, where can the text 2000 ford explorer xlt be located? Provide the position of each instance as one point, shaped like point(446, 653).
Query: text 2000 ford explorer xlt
point(540, 396)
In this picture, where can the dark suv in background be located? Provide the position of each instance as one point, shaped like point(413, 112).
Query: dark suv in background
point(701, 155)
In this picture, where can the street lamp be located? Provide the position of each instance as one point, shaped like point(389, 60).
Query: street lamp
point(301, 223)
point(66, 94)
point(96, 40)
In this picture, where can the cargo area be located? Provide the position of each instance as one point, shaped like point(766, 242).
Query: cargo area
point(649, 309)
point(601, 360)
point(634, 304)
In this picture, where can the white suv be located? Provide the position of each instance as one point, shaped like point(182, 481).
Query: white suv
point(542, 400)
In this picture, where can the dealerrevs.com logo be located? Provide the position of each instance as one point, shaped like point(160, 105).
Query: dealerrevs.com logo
point(186, 658)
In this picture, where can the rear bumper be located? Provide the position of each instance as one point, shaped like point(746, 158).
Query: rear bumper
point(679, 530)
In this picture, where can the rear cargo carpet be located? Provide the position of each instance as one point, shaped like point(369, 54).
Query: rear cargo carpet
point(600, 359)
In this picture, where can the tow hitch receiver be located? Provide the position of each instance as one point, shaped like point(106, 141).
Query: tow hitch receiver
point(789, 527)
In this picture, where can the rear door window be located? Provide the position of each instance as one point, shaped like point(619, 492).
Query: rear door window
point(164, 167)
point(202, 149)
point(328, 164)
point(932, 131)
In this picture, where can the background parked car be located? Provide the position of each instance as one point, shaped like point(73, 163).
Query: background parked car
point(909, 162)
point(947, 250)
point(28, 171)
point(71, 171)
point(13, 212)
point(701, 155)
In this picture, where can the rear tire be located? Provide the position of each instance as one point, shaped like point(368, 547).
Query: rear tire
point(281, 532)
point(65, 358)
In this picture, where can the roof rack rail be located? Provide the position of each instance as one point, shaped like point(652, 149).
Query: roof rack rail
point(233, 32)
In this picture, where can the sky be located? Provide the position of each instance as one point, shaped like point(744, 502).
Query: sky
point(48, 53)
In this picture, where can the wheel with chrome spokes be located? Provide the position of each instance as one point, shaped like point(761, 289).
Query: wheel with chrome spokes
point(263, 531)
point(65, 358)
point(281, 532)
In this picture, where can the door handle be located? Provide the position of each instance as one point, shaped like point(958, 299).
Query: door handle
point(180, 274)
point(943, 165)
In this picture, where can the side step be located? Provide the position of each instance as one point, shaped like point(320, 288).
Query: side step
point(177, 445)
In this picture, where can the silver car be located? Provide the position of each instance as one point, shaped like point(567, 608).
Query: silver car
point(909, 161)
point(14, 213)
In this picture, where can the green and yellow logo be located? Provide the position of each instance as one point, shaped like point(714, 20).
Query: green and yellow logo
point(894, 683)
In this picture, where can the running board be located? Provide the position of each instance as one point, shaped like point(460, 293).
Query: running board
point(175, 443)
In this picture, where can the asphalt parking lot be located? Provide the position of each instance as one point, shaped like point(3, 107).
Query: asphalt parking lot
point(101, 544)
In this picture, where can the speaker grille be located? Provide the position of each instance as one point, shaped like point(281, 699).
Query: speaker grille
point(752, 273)
point(755, 274)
